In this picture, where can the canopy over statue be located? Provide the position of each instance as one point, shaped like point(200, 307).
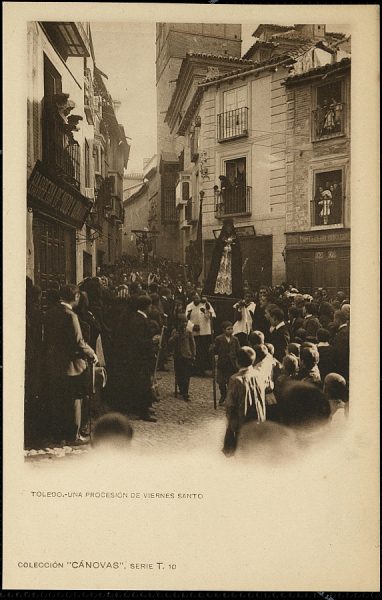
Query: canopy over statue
point(225, 277)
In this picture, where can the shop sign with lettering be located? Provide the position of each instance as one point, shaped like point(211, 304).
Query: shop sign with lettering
point(55, 198)
point(318, 238)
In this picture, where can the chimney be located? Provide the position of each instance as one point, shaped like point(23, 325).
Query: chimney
point(312, 32)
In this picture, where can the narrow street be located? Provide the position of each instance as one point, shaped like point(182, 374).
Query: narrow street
point(180, 425)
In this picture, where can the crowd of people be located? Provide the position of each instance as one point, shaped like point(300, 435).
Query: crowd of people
point(96, 347)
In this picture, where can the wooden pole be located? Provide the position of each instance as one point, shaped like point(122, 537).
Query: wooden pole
point(213, 364)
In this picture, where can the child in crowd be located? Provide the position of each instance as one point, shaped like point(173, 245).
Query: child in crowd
point(183, 344)
point(300, 336)
point(288, 373)
point(309, 371)
point(294, 349)
point(270, 398)
point(336, 392)
point(256, 338)
point(245, 398)
point(226, 347)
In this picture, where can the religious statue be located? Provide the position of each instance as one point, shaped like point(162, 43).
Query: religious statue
point(225, 277)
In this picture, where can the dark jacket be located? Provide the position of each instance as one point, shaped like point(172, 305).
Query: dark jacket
point(341, 351)
point(326, 363)
point(260, 321)
point(183, 345)
point(294, 325)
point(226, 352)
point(280, 339)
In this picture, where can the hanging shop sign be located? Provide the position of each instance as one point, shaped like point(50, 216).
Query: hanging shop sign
point(55, 198)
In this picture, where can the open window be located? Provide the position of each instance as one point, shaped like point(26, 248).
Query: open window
point(234, 196)
point(328, 117)
point(233, 121)
point(328, 198)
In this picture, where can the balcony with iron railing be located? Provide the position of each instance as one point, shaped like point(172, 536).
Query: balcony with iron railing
point(88, 96)
point(233, 201)
point(233, 124)
point(170, 213)
point(194, 144)
point(67, 156)
point(189, 212)
point(114, 209)
point(61, 152)
point(328, 121)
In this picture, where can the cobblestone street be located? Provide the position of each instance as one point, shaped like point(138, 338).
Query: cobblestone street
point(180, 421)
point(180, 425)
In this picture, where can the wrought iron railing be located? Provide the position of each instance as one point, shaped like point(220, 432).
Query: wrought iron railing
point(188, 211)
point(233, 201)
point(328, 121)
point(194, 146)
point(233, 124)
point(88, 96)
point(62, 152)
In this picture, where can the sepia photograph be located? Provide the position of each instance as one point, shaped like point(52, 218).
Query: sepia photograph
point(133, 305)
point(187, 270)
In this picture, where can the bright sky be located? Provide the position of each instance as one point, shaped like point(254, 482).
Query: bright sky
point(125, 51)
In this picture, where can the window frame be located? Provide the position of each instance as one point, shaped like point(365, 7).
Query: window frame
point(342, 80)
point(329, 169)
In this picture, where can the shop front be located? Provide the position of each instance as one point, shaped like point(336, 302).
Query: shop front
point(59, 210)
point(319, 259)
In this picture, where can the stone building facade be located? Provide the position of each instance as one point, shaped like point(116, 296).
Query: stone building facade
point(139, 205)
point(243, 127)
point(318, 202)
point(173, 42)
point(69, 136)
point(227, 144)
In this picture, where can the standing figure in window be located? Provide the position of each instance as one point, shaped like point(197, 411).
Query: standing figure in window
point(329, 120)
point(320, 118)
point(325, 203)
point(225, 277)
point(337, 107)
point(336, 211)
point(317, 208)
point(240, 184)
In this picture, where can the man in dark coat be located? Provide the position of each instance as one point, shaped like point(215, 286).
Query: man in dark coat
point(279, 336)
point(66, 354)
point(140, 344)
point(341, 344)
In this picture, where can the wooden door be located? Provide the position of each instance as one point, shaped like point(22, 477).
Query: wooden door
point(257, 260)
